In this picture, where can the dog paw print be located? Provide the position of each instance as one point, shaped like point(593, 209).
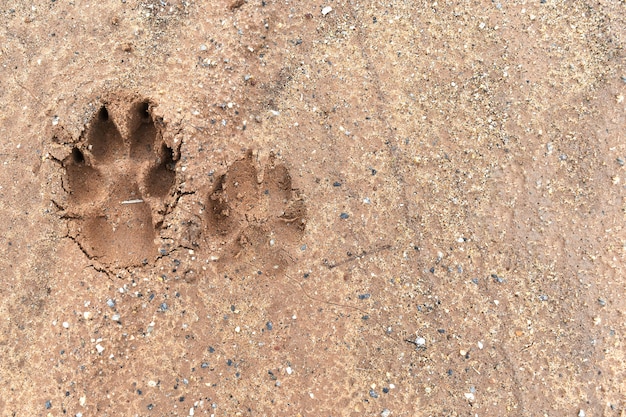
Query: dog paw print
point(254, 221)
point(120, 175)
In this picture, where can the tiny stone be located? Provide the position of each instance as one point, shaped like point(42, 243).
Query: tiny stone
point(364, 296)
point(336, 184)
point(289, 370)
point(326, 10)
point(601, 302)
point(386, 390)
point(163, 306)
point(111, 303)
point(344, 215)
point(204, 365)
point(385, 413)
point(469, 396)
point(66, 325)
point(269, 325)
point(48, 405)
point(543, 297)
point(99, 348)
point(581, 413)
point(115, 317)
point(373, 394)
point(420, 342)
point(620, 161)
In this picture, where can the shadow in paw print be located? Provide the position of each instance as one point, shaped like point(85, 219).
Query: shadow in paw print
point(255, 223)
point(118, 185)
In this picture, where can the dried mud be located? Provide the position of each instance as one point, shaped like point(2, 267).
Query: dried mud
point(255, 208)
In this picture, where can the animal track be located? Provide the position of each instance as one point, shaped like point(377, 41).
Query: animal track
point(251, 221)
point(119, 175)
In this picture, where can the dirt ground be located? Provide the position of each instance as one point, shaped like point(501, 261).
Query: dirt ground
point(283, 208)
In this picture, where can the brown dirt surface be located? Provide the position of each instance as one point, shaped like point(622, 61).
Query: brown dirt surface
point(264, 208)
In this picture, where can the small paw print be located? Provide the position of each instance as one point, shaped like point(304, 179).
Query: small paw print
point(251, 221)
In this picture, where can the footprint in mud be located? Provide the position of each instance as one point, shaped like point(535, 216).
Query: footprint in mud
point(254, 221)
point(119, 175)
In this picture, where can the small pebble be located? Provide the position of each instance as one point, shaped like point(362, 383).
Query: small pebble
point(269, 325)
point(581, 413)
point(99, 348)
point(344, 216)
point(364, 296)
point(163, 306)
point(48, 405)
point(385, 413)
point(620, 161)
point(66, 325)
point(111, 303)
point(373, 394)
point(115, 317)
point(420, 342)
point(543, 297)
point(601, 302)
point(326, 10)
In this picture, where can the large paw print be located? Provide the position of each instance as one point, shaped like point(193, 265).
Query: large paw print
point(253, 221)
point(118, 186)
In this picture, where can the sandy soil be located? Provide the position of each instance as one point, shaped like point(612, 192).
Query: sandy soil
point(264, 208)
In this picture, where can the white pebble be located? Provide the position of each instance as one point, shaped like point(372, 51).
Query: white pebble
point(66, 325)
point(385, 413)
point(237, 329)
point(469, 396)
point(99, 348)
point(326, 10)
point(581, 413)
point(480, 345)
point(289, 370)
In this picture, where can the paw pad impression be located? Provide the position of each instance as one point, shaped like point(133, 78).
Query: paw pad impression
point(258, 223)
point(120, 175)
